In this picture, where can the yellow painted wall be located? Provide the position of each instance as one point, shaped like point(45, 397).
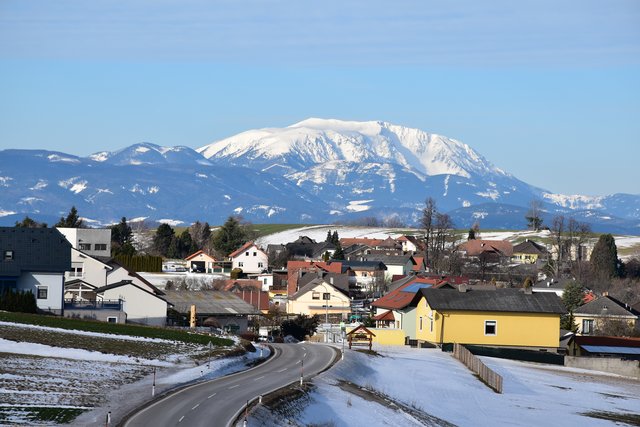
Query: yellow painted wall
point(386, 336)
point(305, 304)
point(512, 329)
point(597, 322)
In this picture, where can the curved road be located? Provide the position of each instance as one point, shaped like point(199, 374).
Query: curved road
point(218, 402)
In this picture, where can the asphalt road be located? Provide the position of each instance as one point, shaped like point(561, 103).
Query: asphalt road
point(218, 402)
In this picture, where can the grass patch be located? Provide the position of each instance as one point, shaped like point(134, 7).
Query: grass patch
point(32, 414)
point(626, 418)
point(113, 328)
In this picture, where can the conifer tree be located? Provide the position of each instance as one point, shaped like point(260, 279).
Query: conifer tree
point(604, 258)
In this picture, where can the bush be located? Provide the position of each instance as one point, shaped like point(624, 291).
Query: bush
point(20, 301)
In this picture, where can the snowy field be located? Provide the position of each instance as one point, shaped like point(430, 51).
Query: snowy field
point(36, 377)
point(429, 387)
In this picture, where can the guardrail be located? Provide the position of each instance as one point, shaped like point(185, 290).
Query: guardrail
point(488, 376)
point(93, 305)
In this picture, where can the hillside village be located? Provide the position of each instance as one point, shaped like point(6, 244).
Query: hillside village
point(516, 299)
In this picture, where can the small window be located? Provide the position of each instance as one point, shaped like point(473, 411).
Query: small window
point(587, 326)
point(431, 325)
point(315, 295)
point(112, 319)
point(100, 247)
point(8, 255)
point(43, 292)
point(246, 253)
point(255, 254)
point(260, 265)
point(240, 264)
point(420, 322)
point(85, 246)
point(490, 327)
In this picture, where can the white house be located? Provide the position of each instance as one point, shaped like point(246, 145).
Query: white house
point(87, 268)
point(35, 259)
point(321, 298)
point(250, 259)
point(92, 241)
point(139, 304)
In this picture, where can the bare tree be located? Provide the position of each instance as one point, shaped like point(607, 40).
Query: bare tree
point(442, 238)
point(427, 223)
point(578, 233)
point(558, 240)
point(534, 215)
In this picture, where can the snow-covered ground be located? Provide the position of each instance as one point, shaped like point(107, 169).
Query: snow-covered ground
point(319, 233)
point(436, 385)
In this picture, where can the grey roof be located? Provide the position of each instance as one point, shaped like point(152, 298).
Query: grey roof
point(210, 302)
point(42, 250)
point(126, 283)
point(530, 247)
point(340, 281)
point(312, 284)
point(606, 306)
point(365, 265)
point(504, 300)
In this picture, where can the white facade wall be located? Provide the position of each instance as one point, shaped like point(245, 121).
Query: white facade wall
point(339, 303)
point(266, 281)
point(140, 306)
point(54, 284)
point(121, 273)
point(92, 271)
point(398, 269)
point(251, 260)
point(86, 239)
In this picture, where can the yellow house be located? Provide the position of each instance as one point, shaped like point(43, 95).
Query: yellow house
point(321, 298)
point(501, 317)
point(529, 252)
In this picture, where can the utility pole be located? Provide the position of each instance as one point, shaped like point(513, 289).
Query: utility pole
point(153, 386)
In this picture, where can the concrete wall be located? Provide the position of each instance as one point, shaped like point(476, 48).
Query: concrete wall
point(89, 236)
point(93, 271)
point(627, 368)
point(101, 315)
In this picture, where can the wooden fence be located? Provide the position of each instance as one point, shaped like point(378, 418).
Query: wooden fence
point(489, 377)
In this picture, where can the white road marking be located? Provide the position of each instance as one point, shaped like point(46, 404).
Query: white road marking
point(181, 418)
point(234, 386)
point(195, 407)
point(282, 370)
point(297, 362)
point(304, 348)
point(305, 355)
point(211, 396)
point(259, 378)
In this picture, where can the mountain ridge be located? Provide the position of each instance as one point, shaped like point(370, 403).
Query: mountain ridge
point(316, 170)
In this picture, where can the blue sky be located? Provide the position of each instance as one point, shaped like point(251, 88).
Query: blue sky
point(546, 90)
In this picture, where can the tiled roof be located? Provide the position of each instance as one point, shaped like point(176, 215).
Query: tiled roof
point(126, 283)
point(501, 300)
point(200, 252)
point(385, 317)
point(360, 241)
point(365, 265)
point(606, 341)
point(606, 306)
point(397, 299)
point(241, 284)
point(476, 247)
point(33, 249)
point(258, 299)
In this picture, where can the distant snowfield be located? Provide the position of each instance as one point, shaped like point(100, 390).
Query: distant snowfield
point(439, 385)
point(319, 233)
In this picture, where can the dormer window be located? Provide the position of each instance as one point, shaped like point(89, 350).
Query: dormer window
point(8, 255)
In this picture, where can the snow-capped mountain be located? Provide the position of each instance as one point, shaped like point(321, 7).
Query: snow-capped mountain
point(315, 171)
point(316, 141)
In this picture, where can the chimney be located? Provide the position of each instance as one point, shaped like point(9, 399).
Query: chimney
point(462, 288)
point(331, 280)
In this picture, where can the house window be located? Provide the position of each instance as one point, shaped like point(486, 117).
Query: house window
point(315, 295)
point(77, 269)
point(420, 322)
point(85, 246)
point(255, 254)
point(490, 327)
point(431, 325)
point(100, 247)
point(246, 253)
point(43, 292)
point(587, 326)
point(240, 264)
point(8, 255)
point(112, 319)
point(260, 265)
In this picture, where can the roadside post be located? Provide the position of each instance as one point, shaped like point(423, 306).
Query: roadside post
point(210, 348)
point(301, 371)
point(153, 386)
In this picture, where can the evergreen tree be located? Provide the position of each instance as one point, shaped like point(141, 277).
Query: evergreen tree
point(338, 254)
point(162, 239)
point(604, 258)
point(229, 237)
point(71, 221)
point(335, 239)
point(572, 298)
point(187, 245)
point(329, 239)
point(122, 239)
point(472, 234)
point(30, 223)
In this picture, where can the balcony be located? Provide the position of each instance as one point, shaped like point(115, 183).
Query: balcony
point(93, 305)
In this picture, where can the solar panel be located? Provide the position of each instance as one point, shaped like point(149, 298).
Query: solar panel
point(611, 349)
point(415, 287)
